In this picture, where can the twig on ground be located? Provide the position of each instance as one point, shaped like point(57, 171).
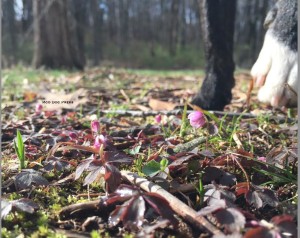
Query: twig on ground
point(77, 209)
point(179, 207)
point(73, 234)
point(189, 145)
point(84, 209)
point(133, 113)
point(148, 130)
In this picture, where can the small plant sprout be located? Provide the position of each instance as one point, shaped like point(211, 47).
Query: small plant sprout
point(184, 122)
point(197, 119)
point(20, 149)
point(163, 164)
point(201, 190)
point(95, 126)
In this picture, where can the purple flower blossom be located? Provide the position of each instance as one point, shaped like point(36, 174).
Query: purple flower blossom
point(95, 126)
point(158, 118)
point(262, 159)
point(63, 119)
point(73, 135)
point(38, 109)
point(197, 119)
point(100, 140)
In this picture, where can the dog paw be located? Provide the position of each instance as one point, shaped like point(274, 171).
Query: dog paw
point(276, 72)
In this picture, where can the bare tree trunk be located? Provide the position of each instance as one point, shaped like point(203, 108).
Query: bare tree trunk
point(217, 21)
point(124, 25)
point(55, 38)
point(183, 25)
point(11, 33)
point(112, 24)
point(196, 33)
point(27, 15)
point(174, 18)
point(80, 21)
point(97, 16)
point(162, 23)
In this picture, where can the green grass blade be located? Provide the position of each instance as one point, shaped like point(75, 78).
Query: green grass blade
point(183, 122)
point(20, 149)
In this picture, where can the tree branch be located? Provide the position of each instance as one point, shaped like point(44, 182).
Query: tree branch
point(179, 207)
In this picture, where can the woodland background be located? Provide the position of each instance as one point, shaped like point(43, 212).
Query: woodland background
point(157, 34)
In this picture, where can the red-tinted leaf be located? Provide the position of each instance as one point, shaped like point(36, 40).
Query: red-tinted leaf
point(241, 188)
point(218, 204)
point(121, 194)
point(286, 225)
point(211, 174)
point(244, 153)
point(207, 153)
point(93, 175)
point(269, 197)
point(83, 166)
point(227, 179)
point(219, 176)
point(28, 177)
point(283, 218)
point(217, 192)
point(261, 196)
point(149, 230)
point(277, 155)
point(25, 205)
point(288, 229)
point(183, 159)
point(112, 177)
point(134, 214)
point(161, 206)
point(126, 191)
point(117, 215)
point(116, 157)
point(260, 232)
point(231, 218)
point(253, 198)
point(56, 163)
point(6, 207)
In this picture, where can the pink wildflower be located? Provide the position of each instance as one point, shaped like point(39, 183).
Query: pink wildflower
point(63, 119)
point(38, 109)
point(95, 126)
point(262, 159)
point(197, 119)
point(73, 135)
point(158, 118)
point(100, 140)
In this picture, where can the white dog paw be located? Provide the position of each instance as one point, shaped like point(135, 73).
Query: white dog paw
point(276, 72)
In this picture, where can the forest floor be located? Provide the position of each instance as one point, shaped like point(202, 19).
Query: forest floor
point(83, 155)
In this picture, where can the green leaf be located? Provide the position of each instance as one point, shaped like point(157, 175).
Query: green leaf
point(163, 164)
point(16, 149)
point(134, 150)
point(151, 168)
point(20, 149)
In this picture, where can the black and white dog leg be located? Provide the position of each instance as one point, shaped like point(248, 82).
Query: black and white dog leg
point(276, 69)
